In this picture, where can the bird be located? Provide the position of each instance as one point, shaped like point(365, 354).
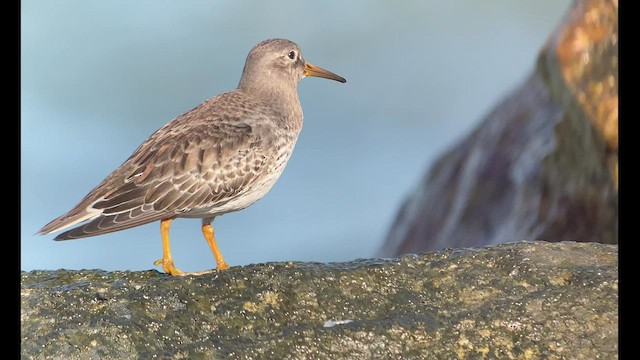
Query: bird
point(221, 156)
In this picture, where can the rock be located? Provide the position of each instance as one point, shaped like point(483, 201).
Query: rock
point(543, 164)
point(519, 300)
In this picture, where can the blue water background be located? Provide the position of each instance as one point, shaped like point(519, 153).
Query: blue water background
point(98, 77)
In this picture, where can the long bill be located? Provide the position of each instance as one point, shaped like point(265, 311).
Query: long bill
point(312, 70)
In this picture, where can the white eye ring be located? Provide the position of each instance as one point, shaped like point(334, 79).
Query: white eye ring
point(291, 55)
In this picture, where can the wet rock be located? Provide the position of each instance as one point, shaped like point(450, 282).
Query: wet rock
point(543, 164)
point(517, 300)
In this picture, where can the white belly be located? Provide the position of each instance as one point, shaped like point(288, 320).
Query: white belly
point(248, 197)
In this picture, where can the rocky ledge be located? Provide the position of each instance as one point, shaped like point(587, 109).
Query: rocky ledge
point(517, 300)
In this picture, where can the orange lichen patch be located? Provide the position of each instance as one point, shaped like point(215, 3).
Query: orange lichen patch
point(586, 51)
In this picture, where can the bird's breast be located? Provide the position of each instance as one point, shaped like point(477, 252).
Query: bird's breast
point(279, 152)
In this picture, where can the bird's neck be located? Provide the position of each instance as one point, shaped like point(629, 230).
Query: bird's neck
point(281, 97)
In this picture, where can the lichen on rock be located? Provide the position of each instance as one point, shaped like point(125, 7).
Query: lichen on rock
point(517, 300)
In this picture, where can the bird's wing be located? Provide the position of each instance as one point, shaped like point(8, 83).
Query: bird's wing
point(194, 162)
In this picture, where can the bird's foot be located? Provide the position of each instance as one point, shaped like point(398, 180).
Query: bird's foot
point(169, 267)
point(222, 266)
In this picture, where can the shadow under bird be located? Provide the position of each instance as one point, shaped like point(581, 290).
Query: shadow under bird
point(221, 156)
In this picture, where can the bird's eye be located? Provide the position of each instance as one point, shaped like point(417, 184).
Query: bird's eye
point(291, 55)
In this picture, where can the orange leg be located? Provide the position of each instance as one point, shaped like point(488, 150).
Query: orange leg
point(207, 230)
point(167, 261)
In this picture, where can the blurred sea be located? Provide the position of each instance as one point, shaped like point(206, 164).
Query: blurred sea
point(99, 77)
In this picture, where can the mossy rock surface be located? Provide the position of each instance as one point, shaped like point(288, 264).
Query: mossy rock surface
point(517, 300)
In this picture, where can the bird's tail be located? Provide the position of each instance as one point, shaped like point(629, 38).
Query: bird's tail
point(68, 220)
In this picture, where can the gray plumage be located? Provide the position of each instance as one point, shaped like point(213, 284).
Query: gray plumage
point(221, 156)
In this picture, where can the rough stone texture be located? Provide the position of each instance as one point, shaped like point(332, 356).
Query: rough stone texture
point(543, 164)
point(524, 300)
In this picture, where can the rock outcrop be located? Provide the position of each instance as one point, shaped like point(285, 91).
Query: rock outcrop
point(521, 300)
point(543, 164)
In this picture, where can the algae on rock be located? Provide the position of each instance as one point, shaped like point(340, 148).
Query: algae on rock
point(520, 300)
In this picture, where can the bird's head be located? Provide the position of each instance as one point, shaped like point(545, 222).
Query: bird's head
point(279, 62)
